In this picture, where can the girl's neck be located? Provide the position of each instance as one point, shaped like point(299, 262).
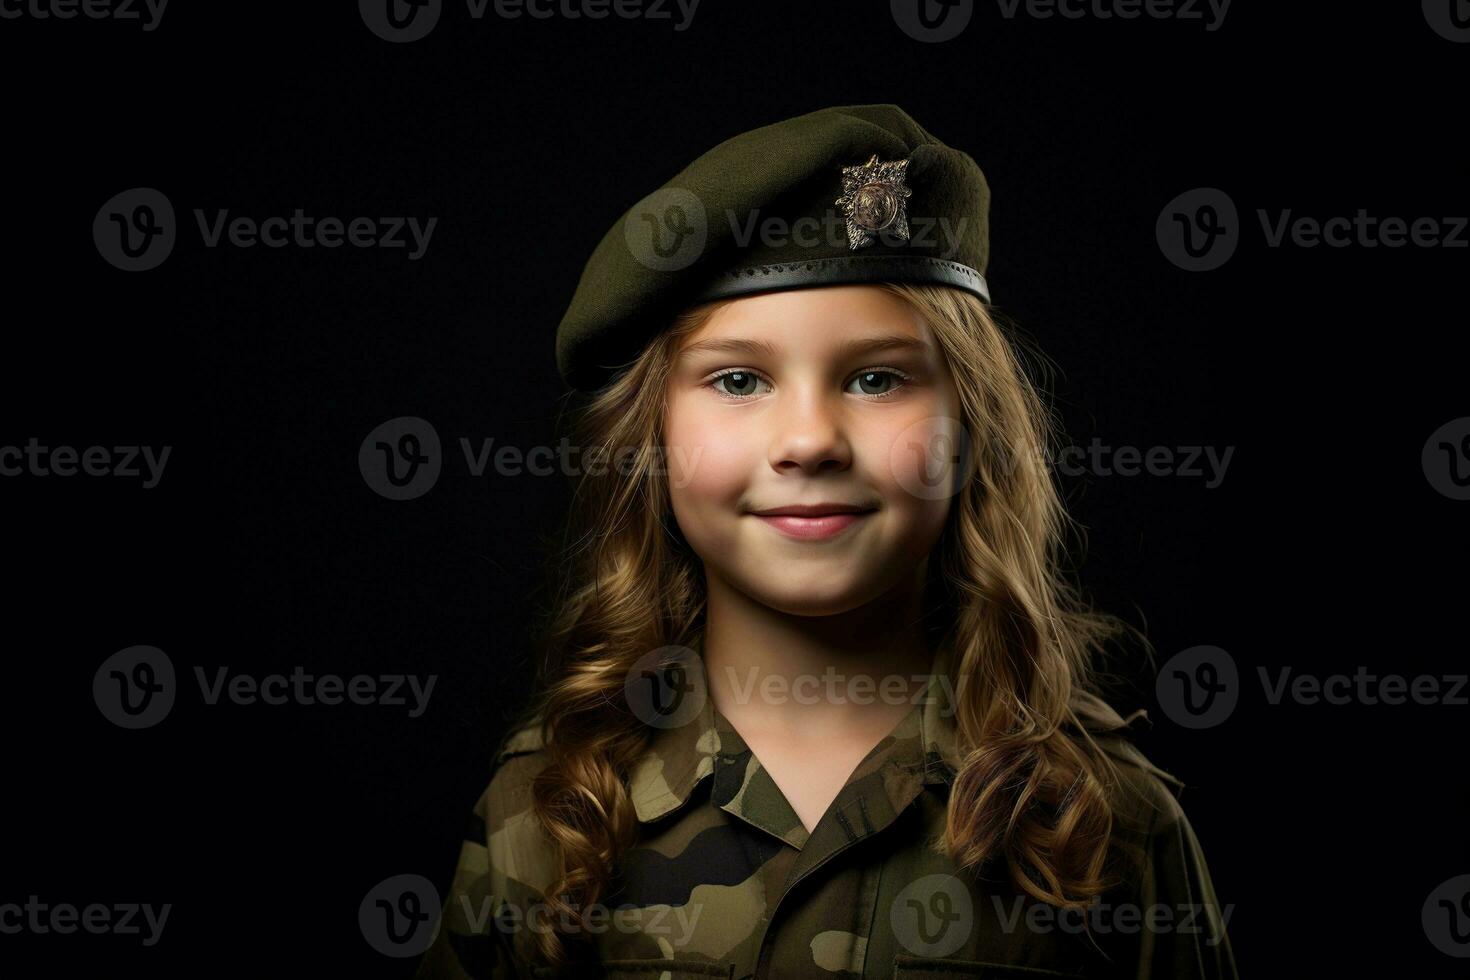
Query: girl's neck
point(781, 672)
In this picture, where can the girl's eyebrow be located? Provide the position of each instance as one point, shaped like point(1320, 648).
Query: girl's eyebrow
point(848, 348)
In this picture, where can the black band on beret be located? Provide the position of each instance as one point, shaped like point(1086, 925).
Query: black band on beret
point(844, 270)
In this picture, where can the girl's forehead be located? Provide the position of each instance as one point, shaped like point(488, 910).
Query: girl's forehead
point(834, 315)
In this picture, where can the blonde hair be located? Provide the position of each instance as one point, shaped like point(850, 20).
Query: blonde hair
point(1033, 787)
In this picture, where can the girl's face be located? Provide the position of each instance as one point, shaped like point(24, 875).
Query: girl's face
point(835, 395)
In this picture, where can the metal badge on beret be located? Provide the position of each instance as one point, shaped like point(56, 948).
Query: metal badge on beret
point(873, 199)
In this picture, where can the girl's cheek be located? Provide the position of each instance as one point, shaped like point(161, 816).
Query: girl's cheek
point(709, 460)
point(923, 458)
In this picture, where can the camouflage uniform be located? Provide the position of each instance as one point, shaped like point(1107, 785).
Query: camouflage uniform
point(726, 881)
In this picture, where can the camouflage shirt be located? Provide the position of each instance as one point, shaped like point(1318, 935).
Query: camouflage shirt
point(725, 881)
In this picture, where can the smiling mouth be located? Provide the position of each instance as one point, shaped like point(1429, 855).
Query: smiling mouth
point(813, 523)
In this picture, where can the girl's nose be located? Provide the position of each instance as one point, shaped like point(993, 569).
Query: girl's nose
point(809, 431)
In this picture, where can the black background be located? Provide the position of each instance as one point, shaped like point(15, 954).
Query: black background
point(263, 549)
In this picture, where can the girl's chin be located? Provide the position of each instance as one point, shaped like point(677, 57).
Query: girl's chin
point(799, 598)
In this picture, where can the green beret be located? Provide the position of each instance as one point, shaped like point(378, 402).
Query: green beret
point(848, 194)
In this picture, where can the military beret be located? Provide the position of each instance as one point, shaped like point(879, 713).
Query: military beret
point(848, 194)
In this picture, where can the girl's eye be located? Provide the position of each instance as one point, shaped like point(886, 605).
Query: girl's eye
point(735, 384)
point(743, 384)
point(885, 383)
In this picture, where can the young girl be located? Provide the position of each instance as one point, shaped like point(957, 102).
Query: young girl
point(818, 699)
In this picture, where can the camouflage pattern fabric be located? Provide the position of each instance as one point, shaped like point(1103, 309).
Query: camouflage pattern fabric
point(726, 881)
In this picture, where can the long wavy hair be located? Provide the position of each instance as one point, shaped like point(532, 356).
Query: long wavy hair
point(1033, 790)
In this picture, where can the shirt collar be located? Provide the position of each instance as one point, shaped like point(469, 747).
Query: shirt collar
point(678, 759)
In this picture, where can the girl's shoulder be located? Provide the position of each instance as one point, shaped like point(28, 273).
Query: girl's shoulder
point(1145, 796)
point(518, 758)
point(1160, 861)
point(506, 862)
point(518, 846)
point(522, 739)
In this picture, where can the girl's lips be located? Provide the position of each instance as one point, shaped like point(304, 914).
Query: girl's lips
point(807, 528)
